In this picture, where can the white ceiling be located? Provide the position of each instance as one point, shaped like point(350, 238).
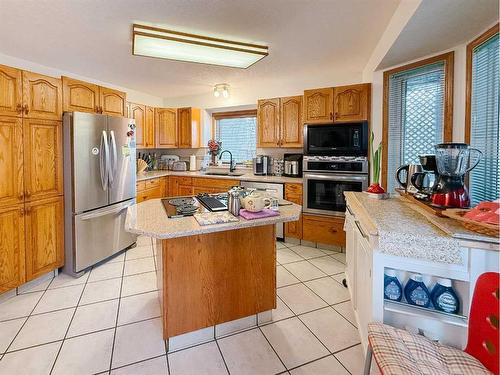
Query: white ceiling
point(307, 39)
point(438, 25)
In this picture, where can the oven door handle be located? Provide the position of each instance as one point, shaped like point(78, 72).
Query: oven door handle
point(334, 177)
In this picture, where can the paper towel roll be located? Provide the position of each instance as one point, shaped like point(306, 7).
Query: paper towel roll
point(192, 163)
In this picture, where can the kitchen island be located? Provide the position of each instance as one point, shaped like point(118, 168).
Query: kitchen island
point(391, 234)
point(212, 274)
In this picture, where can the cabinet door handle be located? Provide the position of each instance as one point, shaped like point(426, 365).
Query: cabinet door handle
point(21, 210)
point(360, 230)
point(336, 115)
point(96, 109)
point(331, 116)
point(20, 196)
point(26, 109)
point(333, 230)
point(28, 193)
point(19, 108)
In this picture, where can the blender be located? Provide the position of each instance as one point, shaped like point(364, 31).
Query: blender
point(453, 161)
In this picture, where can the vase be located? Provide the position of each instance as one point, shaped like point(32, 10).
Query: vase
point(375, 188)
point(214, 159)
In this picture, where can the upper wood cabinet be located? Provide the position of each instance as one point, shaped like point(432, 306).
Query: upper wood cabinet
point(113, 102)
point(166, 127)
point(80, 96)
point(12, 256)
point(318, 106)
point(268, 123)
point(11, 161)
point(43, 161)
point(291, 121)
point(44, 236)
point(138, 113)
point(189, 126)
point(42, 96)
point(87, 97)
point(351, 103)
point(279, 122)
point(150, 127)
point(11, 91)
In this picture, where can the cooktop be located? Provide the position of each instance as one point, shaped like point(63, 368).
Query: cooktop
point(188, 206)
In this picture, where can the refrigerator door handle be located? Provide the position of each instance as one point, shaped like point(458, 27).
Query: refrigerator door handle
point(113, 156)
point(104, 160)
point(106, 212)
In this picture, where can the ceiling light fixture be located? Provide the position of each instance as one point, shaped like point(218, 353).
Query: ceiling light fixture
point(175, 45)
point(221, 89)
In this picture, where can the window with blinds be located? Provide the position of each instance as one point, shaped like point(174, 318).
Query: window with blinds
point(238, 135)
point(415, 116)
point(484, 180)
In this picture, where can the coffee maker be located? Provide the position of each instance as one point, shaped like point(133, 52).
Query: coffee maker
point(262, 165)
point(450, 165)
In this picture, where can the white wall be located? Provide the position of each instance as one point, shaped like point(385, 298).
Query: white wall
point(132, 95)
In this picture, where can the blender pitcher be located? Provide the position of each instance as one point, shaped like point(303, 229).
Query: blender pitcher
point(453, 162)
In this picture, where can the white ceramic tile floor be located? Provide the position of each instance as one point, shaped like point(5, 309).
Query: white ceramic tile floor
point(108, 322)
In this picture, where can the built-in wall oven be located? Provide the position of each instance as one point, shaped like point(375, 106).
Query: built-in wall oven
point(327, 177)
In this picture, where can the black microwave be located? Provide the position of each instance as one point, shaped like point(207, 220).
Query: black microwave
point(346, 139)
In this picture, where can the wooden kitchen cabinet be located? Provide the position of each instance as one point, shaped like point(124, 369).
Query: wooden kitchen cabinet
point(44, 236)
point(323, 229)
point(189, 127)
point(112, 102)
point(293, 193)
point(43, 159)
point(80, 96)
point(12, 256)
point(318, 106)
point(11, 161)
point(213, 185)
point(150, 126)
point(151, 189)
point(268, 123)
point(11, 91)
point(180, 186)
point(351, 103)
point(166, 127)
point(87, 97)
point(42, 96)
point(144, 127)
point(291, 121)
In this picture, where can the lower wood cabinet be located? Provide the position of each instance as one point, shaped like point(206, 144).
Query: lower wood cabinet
point(12, 249)
point(151, 189)
point(180, 186)
point(213, 185)
point(44, 236)
point(323, 229)
point(293, 193)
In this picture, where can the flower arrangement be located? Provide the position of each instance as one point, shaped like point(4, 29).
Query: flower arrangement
point(214, 148)
point(375, 187)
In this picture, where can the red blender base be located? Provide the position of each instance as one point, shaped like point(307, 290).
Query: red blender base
point(457, 199)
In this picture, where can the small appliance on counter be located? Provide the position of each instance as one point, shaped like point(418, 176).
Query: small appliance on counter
point(180, 166)
point(293, 165)
point(262, 165)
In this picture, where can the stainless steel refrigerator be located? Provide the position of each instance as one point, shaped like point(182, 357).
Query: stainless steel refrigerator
point(99, 185)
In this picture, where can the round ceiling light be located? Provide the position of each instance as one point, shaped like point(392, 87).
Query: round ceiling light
point(221, 89)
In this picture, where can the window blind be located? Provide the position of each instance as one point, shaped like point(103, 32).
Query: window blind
point(484, 182)
point(238, 135)
point(416, 116)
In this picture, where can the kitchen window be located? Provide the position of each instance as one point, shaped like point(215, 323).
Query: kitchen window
point(482, 121)
point(238, 133)
point(417, 112)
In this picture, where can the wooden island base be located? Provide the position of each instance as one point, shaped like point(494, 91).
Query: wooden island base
point(213, 278)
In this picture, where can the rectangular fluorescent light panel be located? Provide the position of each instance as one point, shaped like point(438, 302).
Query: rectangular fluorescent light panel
point(174, 45)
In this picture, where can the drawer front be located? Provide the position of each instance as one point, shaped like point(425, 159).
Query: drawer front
point(149, 194)
point(293, 193)
point(140, 185)
point(153, 183)
point(325, 230)
point(214, 183)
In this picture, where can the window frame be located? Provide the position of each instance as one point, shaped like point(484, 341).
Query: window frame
point(228, 115)
point(448, 60)
point(490, 33)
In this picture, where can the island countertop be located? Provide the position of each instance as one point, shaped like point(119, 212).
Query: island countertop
point(150, 219)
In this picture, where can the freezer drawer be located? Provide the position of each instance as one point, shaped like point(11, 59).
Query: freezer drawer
point(100, 234)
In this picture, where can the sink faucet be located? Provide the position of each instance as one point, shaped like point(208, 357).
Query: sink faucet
point(231, 166)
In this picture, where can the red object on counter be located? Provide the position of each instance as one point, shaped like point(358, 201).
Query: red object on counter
point(375, 189)
point(485, 212)
point(458, 198)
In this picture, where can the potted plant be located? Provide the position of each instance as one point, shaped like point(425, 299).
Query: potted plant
point(375, 187)
point(214, 148)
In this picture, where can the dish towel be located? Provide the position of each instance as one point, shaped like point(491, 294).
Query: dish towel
point(266, 212)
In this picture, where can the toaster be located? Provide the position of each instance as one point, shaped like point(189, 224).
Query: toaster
point(180, 166)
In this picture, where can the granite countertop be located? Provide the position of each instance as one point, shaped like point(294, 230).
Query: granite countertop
point(248, 176)
point(403, 231)
point(150, 219)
